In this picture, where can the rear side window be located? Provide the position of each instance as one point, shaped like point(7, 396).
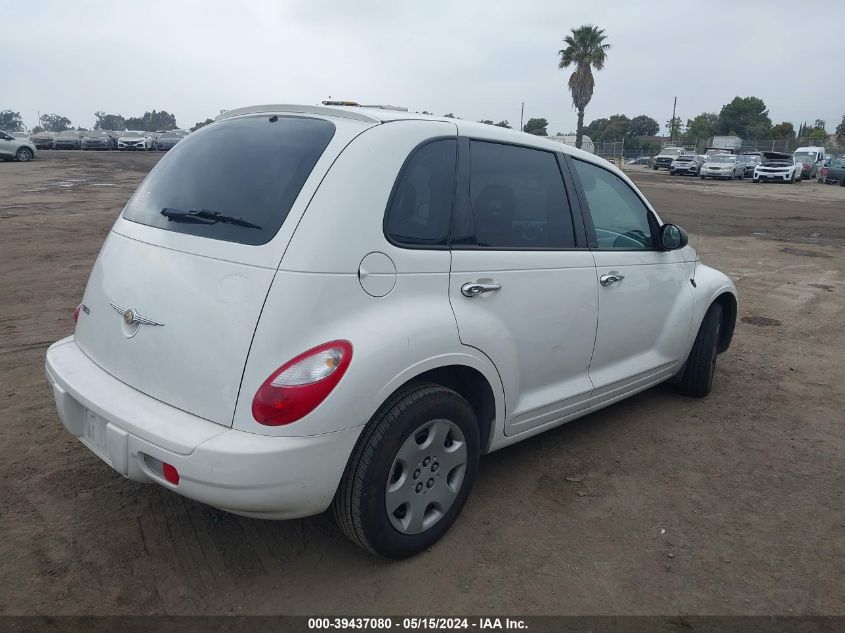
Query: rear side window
point(518, 198)
point(235, 180)
point(620, 218)
point(420, 207)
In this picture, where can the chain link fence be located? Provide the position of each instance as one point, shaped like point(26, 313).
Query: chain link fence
point(616, 151)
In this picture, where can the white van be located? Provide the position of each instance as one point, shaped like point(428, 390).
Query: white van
point(811, 158)
point(305, 307)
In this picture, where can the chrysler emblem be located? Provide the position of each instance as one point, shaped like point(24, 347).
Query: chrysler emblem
point(131, 316)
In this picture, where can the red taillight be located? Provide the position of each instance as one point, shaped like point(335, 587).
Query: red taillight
point(76, 313)
point(299, 386)
point(170, 473)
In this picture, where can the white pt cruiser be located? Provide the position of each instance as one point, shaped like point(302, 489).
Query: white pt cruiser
point(349, 311)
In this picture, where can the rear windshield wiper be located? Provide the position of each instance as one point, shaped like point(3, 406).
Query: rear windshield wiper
point(204, 216)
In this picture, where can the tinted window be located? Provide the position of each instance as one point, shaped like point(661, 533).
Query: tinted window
point(518, 199)
point(235, 180)
point(619, 216)
point(421, 205)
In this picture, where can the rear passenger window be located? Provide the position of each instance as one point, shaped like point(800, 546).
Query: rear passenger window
point(518, 198)
point(620, 218)
point(420, 207)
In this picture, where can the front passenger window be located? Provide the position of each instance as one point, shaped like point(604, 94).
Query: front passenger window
point(620, 218)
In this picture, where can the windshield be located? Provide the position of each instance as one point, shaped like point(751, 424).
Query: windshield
point(68, 133)
point(208, 186)
point(133, 135)
point(722, 158)
point(95, 134)
point(805, 157)
point(683, 158)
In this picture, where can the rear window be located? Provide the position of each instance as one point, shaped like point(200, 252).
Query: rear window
point(235, 180)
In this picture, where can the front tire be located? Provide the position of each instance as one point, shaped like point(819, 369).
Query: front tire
point(697, 379)
point(24, 155)
point(410, 473)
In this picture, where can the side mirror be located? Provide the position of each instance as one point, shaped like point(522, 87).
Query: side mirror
point(672, 237)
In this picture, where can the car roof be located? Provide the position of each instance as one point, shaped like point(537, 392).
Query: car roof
point(378, 115)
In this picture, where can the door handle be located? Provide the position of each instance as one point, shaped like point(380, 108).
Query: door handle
point(473, 289)
point(608, 279)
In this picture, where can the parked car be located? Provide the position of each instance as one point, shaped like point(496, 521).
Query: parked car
point(133, 140)
point(726, 166)
point(69, 139)
point(20, 149)
point(833, 172)
point(640, 160)
point(43, 140)
point(751, 159)
point(778, 167)
point(167, 140)
point(688, 164)
point(811, 160)
point(666, 156)
point(245, 341)
point(98, 139)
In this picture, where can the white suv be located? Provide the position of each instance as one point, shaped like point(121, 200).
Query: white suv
point(350, 312)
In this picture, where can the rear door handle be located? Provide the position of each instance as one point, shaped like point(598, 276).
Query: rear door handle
point(608, 279)
point(473, 289)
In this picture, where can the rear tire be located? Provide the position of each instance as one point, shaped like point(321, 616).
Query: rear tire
point(380, 461)
point(697, 379)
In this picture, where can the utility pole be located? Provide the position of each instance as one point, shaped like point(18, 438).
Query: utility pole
point(521, 115)
point(672, 128)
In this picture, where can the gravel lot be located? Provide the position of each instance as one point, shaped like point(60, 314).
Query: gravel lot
point(658, 505)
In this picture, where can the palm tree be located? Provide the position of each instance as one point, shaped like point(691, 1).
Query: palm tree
point(585, 49)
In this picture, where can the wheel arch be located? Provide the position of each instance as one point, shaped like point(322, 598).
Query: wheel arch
point(485, 396)
point(728, 303)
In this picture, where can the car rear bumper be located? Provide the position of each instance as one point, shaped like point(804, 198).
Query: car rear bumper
point(244, 473)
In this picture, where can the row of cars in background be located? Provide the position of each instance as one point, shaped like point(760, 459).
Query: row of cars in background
point(107, 139)
point(806, 163)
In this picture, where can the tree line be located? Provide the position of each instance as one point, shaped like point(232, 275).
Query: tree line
point(151, 121)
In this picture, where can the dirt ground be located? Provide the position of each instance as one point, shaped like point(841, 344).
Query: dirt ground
point(661, 504)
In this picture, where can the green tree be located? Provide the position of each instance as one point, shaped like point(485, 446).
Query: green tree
point(200, 124)
point(741, 114)
point(487, 121)
point(37, 129)
point(783, 131)
point(536, 127)
point(674, 125)
point(701, 127)
point(152, 121)
point(105, 121)
point(508, 125)
point(818, 134)
point(617, 127)
point(585, 49)
point(11, 121)
point(450, 116)
point(643, 125)
point(596, 127)
point(840, 130)
point(55, 122)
